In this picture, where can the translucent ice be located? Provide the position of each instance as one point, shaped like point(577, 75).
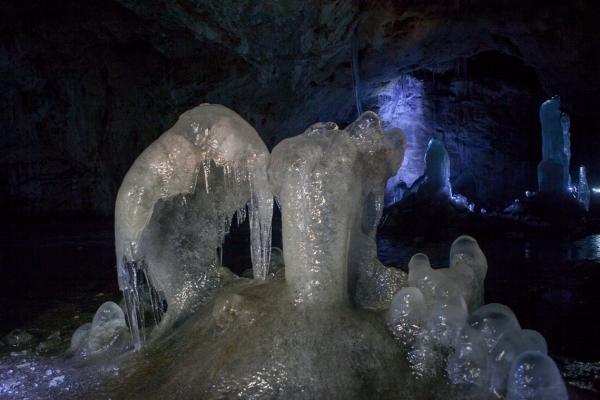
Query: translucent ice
point(468, 362)
point(534, 376)
point(461, 283)
point(330, 184)
point(80, 338)
point(508, 348)
point(583, 189)
point(406, 314)
point(493, 321)
point(108, 324)
point(175, 206)
point(553, 170)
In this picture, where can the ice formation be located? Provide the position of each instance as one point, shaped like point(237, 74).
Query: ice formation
point(107, 329)
point(437, 170)
point(313, 326)
point(175, 206)
point(583, 189)
point(534, 376)
point(553, 170)
point(330, 183)
point(483, 348)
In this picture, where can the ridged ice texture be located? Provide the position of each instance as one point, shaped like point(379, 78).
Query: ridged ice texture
point(330, 184)
point(175, 206)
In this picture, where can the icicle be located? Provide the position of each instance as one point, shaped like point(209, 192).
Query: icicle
point(260, 213)
point(241, 215)
point(206, 168)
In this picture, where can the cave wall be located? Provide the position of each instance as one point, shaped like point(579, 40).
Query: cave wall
point(86, 87)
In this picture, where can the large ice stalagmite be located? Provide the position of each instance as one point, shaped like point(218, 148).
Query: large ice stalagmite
point(175, 205)
point(330, 183)
point(553, 170)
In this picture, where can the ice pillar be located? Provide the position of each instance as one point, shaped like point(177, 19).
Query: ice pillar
point(324, 177)
point(583, 189)
point(437, 170)
point(553, 170)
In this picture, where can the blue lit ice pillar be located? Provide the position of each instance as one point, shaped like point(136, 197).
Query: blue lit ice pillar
point(583, 189)
point(553, 170)
point(437, 170)
point(400, 105)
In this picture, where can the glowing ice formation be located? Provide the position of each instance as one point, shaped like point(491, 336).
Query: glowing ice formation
point(583, 189)
point(330, 185)
point(553, 170)
point(175, 206)
point(437, 169)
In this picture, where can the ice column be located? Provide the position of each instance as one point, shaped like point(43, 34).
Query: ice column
point(175, 205)
point(324, 178)
point(553, 170)
point(583, 189)
point(437, 170)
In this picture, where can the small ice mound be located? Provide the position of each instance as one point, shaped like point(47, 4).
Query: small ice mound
point(406, 314)
point(422, 276)
point(108, 324)
point(80, 338)
point(534, 376)
point(508, 348)
point(493, 321)
point(108, 329)
point(465, 249)
point(468, 363)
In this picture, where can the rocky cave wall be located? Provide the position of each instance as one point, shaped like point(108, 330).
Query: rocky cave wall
point(85, 88)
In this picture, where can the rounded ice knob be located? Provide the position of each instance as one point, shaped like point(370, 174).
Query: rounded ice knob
point(107, 325)
point(534, 376)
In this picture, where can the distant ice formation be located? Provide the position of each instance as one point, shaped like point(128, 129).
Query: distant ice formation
point(583, 189)
point(553, 170)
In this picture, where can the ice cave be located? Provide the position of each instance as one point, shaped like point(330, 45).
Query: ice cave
point(300, 200)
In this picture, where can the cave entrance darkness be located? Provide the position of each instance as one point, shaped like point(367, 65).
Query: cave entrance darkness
point(236, 246)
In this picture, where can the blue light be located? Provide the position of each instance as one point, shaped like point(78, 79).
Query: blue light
point(400, 105)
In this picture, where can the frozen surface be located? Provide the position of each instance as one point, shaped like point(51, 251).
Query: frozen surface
point(553, 170)
point(175, 206)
